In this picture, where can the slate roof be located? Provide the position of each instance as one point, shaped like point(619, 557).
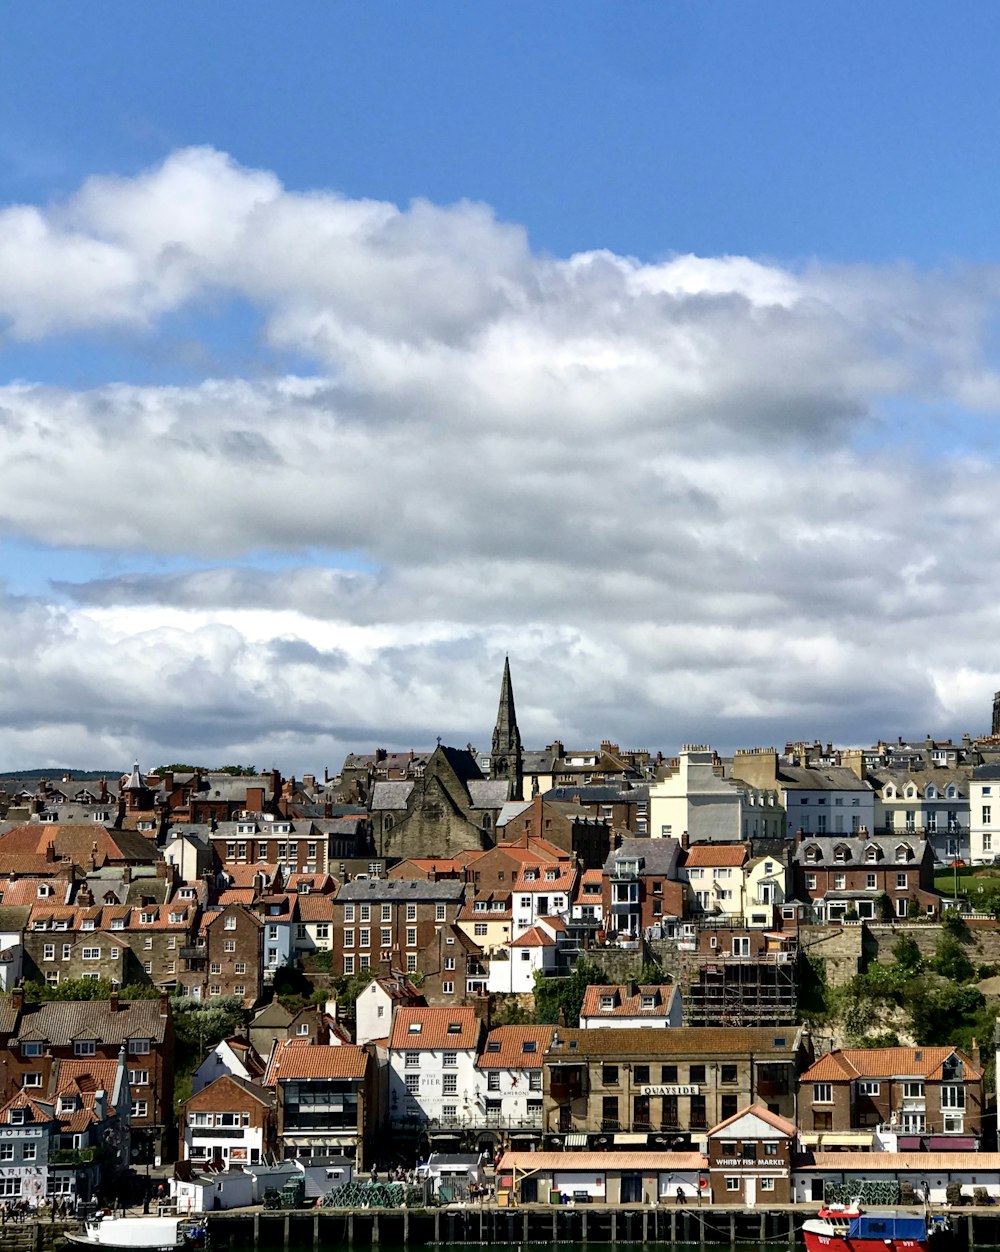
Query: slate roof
point(686, 1041)
point(856, 845)
point(659, 856)
point(824, 778)
point(59, 1022)
point(414, 890)
point(392, 796)
point(488, 794)
point(598, 794)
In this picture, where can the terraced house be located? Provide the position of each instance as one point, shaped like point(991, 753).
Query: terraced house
point(36, 1038)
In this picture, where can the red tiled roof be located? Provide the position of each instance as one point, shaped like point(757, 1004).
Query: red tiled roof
point(299, 1058)
point(709, 854)
point(627, 1005)
point(437, 1029)
point(535, 937)
point(511, 1053)
point(848, 1063)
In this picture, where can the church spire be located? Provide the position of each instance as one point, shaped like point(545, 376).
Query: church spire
point(505, 758)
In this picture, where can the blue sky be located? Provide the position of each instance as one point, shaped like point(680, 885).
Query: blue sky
point(735, 284)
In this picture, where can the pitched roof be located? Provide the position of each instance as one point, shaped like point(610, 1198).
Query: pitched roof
point(898, 1162)
point(416, 890)
point(716, 854)
point(504, 1047)
point(784, 1127)
point(420, 1029)
point(59, 1022)
point(300, 1058)
point(625, 1003)
point(848, 1063)
point(534, 937)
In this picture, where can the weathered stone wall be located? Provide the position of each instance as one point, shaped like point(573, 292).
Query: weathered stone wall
point(980, 937)
point(841, 948)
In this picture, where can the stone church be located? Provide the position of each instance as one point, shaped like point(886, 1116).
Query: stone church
point(452, 807)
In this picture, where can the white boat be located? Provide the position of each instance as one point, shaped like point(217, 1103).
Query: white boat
point(141, 1234)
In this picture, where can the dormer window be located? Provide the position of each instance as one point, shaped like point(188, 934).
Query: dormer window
point(531, 875)
point(890, 792)
point(607, 1004)
point(118, 923)
point(952, 793)
point(648, 1002)
point(44, 891)
point(17, 1117)
point(551, 875)
point(67, 1104)
point(88, 925)
point(176, 919)
point(186, 893)
point(246, 828)
point(904, 852)
point(932, 792)
point(842, 854)
point(812, 854)
point(872, 853)
point(147, 918)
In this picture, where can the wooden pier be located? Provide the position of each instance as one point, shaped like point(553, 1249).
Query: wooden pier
point(767, 1230)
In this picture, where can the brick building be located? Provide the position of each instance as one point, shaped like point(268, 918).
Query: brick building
point(35, 1037)
point(930, 1097)
point(327, 1099)
point(750, 1158)
point(844, 874)
point(381, 923)
point(231, 1121)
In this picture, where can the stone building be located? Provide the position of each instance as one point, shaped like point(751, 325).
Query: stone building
point(384, 924)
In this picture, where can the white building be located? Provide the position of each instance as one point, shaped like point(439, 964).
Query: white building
point(630, 1005)
point(509, 1078)
point(542, 891)
point(702, 798)
point(984, 814)
point(432, 1065)
point(533, 952)
point(234, 1057)
point(933, 803)
point(375, 1007)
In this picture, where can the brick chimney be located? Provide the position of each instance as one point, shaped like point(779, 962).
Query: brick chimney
point(17, 999)
point(113, 1002)
point(483, 1008)
point(164, 1004)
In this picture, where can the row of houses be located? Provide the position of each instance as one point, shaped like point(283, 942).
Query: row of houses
point(628, 1078)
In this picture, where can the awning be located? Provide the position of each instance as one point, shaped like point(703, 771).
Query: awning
point(634, 1140)
point(847, 1141)
point(909, 1143)
point(809, 1141)
point(575, 1141)
point(952, 1143)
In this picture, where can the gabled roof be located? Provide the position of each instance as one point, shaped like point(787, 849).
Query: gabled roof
point(61, 1021)
point(783, 1127)
point(849, 1063)
point(534, 937)
point(218, 1087)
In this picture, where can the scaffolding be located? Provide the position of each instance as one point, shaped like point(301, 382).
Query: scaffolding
point(721, 990)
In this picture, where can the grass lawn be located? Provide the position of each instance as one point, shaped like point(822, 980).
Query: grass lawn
point(978, 885)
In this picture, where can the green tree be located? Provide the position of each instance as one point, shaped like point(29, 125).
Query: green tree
point(564, 996)
point(953, 922)
point(199, 1025)
point(951, 962)
point(906, 952)
point(884, 906)
point(87, 989)
point(941, 1015)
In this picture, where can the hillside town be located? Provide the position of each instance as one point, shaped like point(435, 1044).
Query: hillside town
point(509, 975)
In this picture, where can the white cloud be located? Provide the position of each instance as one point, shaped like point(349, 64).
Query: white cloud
point(688, 495)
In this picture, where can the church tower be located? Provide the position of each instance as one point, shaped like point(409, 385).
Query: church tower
point(505, 757)
point(996, 713)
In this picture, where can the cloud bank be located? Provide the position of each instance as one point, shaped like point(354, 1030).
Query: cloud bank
point(720, 499)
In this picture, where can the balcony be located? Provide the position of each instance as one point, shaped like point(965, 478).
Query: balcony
point(194, 952)
point(487, 1119)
